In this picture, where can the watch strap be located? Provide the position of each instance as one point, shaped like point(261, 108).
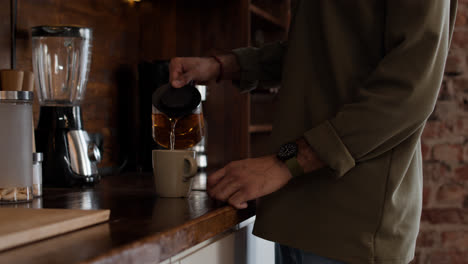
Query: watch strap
point(294, 167)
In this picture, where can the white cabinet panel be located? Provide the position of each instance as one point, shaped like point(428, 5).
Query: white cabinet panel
point(222, 251)
point(259, 250)
point(238, 247)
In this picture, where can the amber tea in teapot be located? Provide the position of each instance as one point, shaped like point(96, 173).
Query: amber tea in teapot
point(187, 130)
point(177, 116)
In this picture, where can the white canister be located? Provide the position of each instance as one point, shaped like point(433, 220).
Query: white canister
point(16, 146)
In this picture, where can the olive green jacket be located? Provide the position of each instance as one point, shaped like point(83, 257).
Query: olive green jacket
point(359, 80)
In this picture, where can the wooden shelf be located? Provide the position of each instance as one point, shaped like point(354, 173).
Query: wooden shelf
point(267, 16)
point(265, 128)
point(268, 21)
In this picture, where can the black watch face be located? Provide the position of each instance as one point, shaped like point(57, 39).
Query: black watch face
point(287, 151)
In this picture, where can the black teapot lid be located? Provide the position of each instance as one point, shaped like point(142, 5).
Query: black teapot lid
point(176, 102)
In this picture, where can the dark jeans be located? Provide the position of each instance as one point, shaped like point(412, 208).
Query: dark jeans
point(289, 255)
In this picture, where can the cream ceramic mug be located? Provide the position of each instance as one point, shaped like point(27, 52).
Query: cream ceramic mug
point(173, 172)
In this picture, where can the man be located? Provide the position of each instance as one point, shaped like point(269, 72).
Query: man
point(359, 80)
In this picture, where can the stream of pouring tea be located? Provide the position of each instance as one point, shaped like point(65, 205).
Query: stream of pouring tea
point(172, 136)
point(180, 133)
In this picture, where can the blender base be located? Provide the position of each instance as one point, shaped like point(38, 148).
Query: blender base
point(70, 158)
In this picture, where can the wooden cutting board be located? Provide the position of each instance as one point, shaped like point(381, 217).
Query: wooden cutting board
point(19, 226)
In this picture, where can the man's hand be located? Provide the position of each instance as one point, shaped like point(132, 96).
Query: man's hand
point(244, 180)
point(200, 70)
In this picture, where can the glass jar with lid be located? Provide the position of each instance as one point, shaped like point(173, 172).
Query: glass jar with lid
point(16, 146)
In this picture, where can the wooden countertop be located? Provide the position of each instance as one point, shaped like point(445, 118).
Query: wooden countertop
point(141, 227)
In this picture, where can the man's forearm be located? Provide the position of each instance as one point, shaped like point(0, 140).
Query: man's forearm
point(230, 67)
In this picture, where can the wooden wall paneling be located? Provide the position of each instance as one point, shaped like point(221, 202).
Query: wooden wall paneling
point(193, 28)
point(198, 41)
point(243, 104)
point(189, 32)
point(124, 35)
point(158, 27)
point(115, 53)
point(5, 34)
point(225, 29)
point(157, 41)
point(275, 7)
point(269, 22)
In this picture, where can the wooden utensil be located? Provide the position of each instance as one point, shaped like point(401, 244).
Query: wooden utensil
point(11, 80)
point(28, 81)
point(28, 85)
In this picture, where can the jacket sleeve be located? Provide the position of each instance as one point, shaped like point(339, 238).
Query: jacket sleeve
point(399, 95)
point(260, 64)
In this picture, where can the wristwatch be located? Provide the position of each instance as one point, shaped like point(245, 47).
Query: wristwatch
point(288, 154)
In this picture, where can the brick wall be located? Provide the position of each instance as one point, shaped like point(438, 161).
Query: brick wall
point(443, 237)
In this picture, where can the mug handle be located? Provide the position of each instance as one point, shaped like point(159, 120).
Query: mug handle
point(193, 168)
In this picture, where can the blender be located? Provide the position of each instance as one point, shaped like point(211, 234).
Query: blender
point(61, 61)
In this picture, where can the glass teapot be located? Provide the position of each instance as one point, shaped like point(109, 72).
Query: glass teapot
point(177, 117)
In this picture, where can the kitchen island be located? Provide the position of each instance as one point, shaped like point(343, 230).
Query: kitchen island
point(143, 228)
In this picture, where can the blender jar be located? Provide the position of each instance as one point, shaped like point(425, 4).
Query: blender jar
point(16, 146)
point(61, 60)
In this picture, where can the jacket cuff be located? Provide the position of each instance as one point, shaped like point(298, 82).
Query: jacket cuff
point(249, 64)
point(245, 86)
point(330, 149)
point(248, 59)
